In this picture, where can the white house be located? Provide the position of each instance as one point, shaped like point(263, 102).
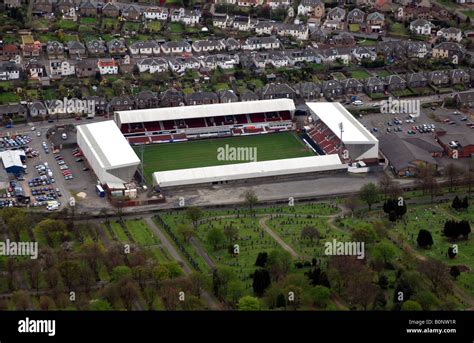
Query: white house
point(148, 48)
point(9, 71)
point(186, 17)
point(421, 27)
point(296, 31)
point(156, 13)
point(181, 64)
point(152, 65)
point(107, 66)
point(450, 34)
point(208, 45)
point(257, 43)
point(223, 61)
point(175, 47)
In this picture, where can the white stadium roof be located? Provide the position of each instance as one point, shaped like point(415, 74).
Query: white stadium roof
point(108, 152)
point(250, 170)
point(333, 113)
point(108, 144)
point(203, 111)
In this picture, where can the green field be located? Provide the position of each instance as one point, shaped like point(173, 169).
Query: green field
point(203, 153)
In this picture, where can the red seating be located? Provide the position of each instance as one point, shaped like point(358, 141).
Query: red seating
point(161, 138)
point(125, 129)
point(168, 125)
point(195, 122)
point(180, 136)
point(285, 115)
point(253, 129)
point(257, 117)
point(138, 140)
point(237, 131)
point(153, 126)
point(241, 119)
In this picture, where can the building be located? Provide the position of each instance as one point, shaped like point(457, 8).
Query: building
point(356, 139)
point(107, 66)
point(13, 161)
point(247, 171)
point(107, 152)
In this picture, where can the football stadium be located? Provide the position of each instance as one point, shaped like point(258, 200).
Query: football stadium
point(179, 146)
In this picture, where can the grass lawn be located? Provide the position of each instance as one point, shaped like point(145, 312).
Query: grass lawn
point(404, 92)
point(141, 233)
point(338, 76)
point(176, 28)
point(354, 27)
point(154, 26)
point(359, 74)
point(6, 85)
point(68, 25)
point(203, 153)
point(469, 13)
point(7, 97)
point(70, 38)
point(399, 29)
point(119, 233)
point(88, 20)
point(383, 73)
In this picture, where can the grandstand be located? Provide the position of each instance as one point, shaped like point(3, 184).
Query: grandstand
point(327, 118)
point(160, 125)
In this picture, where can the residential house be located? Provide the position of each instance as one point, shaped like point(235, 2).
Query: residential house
point(264, 28)
point(231, 44)
point(220, 20)
point(181, 64)
point(131, 13)
point(311, 8)
point(146, 99)
point(352, 86)
point(176, 47)
point(222, 61)
point(343, 39)
point(275, 59)
point(201, 98)
point(226, 96)
point(375, 22)
point(355, 17)
point(336, 13)
point(332, 55)
point(459, 76)
point(35, 70)
point(120, 103)
point(374, 85)
point(61, 68)
point(277, 4)
point(208, 46)
point(171, 98)
point(187, 17)
point(87, 9)
point(12, 3)
point(29, 47)
point(55, 50)
point(111, 10)
point(156, 13)
point(421, 27)
point(248, 95)
point(148, 48)
point(65, 6)
point(257, 43)
point(452, 34)
point(37, 109)
point(241, 23)
point(100, 104)
point(332, 89)
point(277, 91)
point(416, 49)
point(308, 90)
point(439, 78)
point(297, 31)
point(76, 49)
point(8, 51)
point(117, 47)
point(41, 7)
point(454, 52)
point(9, 71)
point(464, 99)
point(416, 80)
point(12, 111)
point(391, 50)
point(395, 83)
point(86, 68)
point(152, 65)
point(362, 53)
point(107, 66)
point(249, 3)
point(96, 47)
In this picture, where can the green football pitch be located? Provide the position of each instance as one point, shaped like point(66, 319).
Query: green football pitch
point(204, 153)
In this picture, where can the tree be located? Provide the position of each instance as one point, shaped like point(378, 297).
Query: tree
point(452, 172)
point(70, 272)
point(235, 291)
point(194, 214)
point(411, 305)
point(93, 253)
point(320, 295)
point(279, 263)
point(385, 183)
point(128, 291)
point(46, 303)
point(451, 252)
point(21, 299)
point(100, 305)
point(454, 272)
point(365, 234)
point(221, 278)
point(385, 251)
point(424, 239)
point(456, 204)
point(262, 259)
point(185, 231)
point(215, 237)
point(465, 203)
point(249, 303)
point(33, 269)
point(250, 199)
point(121, 272)
point(426, 179)
point(437, 273)
point(231, 233)
point(352, 203)
point(261, 281)
point(369, 193)
point(310, 232)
